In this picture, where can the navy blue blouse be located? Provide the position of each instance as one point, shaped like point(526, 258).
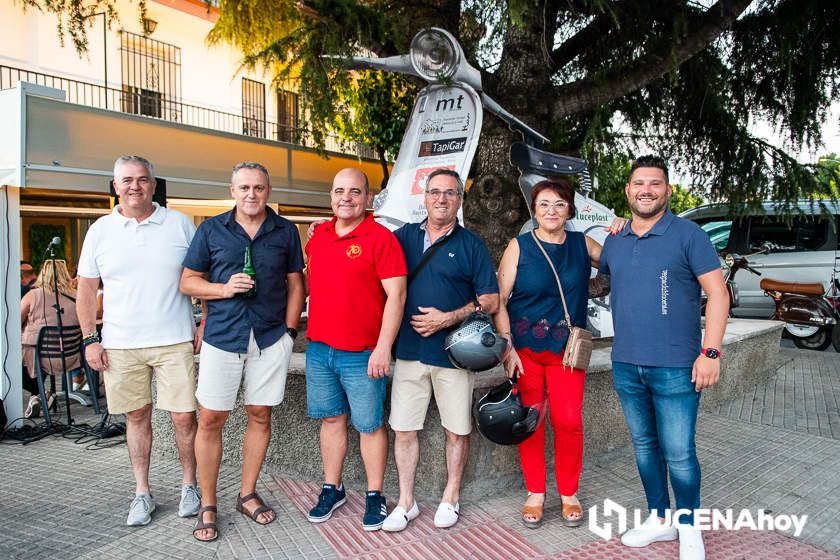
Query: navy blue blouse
point(536, 313)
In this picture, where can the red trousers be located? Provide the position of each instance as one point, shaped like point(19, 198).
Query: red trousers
point(546, 377)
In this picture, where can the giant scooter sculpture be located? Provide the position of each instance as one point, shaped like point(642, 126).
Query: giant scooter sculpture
point(443, 131)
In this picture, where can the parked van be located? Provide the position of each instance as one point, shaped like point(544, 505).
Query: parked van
point(802, 249)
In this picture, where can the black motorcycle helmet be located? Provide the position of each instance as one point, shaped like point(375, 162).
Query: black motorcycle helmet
point(502, 418)
point(474, 345)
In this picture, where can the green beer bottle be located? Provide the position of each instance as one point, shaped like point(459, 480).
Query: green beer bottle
point(248, 268)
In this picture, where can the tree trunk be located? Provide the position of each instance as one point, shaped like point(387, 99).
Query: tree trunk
point(495, 208)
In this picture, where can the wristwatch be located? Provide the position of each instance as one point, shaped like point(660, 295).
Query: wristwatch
point(292, 332)
point(711, 353)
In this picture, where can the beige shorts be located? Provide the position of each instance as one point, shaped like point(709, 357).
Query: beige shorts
point(128, 379)
point(411, 390)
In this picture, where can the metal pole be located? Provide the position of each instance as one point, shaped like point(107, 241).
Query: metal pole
point(105, 53)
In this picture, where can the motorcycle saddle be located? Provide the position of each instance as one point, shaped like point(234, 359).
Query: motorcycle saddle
point(805, 289)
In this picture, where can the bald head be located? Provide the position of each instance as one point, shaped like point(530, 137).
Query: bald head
point(350, 195)
point(352, 175)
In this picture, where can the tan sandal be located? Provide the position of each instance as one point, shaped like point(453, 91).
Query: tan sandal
point(532, 516)
point(572, 515)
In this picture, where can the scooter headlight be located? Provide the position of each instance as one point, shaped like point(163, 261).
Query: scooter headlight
point(729, 260)
point(434, 54)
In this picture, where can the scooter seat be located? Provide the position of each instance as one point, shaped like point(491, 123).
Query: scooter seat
point(805, 289)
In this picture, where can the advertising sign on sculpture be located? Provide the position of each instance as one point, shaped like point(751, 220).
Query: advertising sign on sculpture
point(443, 131)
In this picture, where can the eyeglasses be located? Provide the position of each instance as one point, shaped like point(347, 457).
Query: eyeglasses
point(449, 193)
point(558, 206)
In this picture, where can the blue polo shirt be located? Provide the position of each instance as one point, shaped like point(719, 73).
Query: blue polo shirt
point(655, 295)
point(455, 275)
point(218, 249)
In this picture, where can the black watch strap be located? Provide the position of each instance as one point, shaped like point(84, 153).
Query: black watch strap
point(292, 332)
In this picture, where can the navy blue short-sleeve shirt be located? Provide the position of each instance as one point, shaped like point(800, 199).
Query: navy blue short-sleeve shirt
point(218, 249)
point(454, 276)
point(655, 295)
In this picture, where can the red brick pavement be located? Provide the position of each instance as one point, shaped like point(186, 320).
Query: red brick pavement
point(478, 535)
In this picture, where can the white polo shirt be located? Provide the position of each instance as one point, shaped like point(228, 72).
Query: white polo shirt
point(140, 268)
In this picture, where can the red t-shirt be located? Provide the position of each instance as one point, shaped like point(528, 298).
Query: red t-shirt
point(346, 299)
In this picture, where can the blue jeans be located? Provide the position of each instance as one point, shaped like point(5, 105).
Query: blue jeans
point(660, 405)
point(337, 383)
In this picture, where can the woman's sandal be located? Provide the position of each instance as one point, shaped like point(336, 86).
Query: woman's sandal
point(572, 515)
point(532, 516)
point(254, 515)
point(200, 524)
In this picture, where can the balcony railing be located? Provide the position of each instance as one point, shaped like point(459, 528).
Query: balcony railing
point(152, 104)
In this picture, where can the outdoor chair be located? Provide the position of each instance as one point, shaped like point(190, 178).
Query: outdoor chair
point(51, 346)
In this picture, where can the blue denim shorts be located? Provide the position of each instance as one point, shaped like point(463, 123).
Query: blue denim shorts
point(337, 383)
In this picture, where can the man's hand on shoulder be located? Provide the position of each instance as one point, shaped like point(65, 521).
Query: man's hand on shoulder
point(430, 320)
point(310, 231)
point(705, 373)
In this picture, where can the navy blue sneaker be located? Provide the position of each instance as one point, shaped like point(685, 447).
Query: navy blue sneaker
point(331, 498)
point(375, 511)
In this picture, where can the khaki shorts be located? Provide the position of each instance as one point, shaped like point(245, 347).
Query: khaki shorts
point(411, 390)
point(128, 379)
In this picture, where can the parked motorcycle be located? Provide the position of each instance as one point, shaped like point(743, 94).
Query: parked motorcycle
point(810, 313)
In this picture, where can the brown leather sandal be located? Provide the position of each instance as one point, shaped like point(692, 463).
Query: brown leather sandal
point(532, 516)
point(254, 515)
point(572, 515)
point(200, 524)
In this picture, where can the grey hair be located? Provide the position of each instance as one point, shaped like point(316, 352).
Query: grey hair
point(448, 173)
point(134, 159)
point(250, 165)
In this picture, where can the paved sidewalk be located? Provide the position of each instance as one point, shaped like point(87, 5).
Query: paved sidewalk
point(776, 448)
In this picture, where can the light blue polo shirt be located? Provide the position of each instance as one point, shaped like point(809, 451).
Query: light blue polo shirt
point(655, 295)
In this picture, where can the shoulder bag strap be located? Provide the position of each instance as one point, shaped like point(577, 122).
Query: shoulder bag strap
point(429, 253)
point(556, 277)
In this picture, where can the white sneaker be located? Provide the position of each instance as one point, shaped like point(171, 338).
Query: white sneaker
point(140, 511)
point(652, 530)
point(190, 501)
point(398, 519)
point(691, 543)
point(447, 515)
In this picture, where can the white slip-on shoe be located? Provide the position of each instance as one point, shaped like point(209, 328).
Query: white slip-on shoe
point(691, 543)
point(398, 519)
point(447, 515)
point(651, 531)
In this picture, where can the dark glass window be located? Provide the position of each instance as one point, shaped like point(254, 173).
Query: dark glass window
point(253, 108)
point(151, 77)
point(798, 234)
point(287, 116)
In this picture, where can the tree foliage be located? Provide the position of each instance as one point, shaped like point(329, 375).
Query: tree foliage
point(73, 17)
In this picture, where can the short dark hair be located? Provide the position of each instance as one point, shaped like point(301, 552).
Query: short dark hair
point(561, 187)
point(650, 161)
point(449, 173)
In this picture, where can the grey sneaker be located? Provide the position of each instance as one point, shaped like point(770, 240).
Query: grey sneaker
point(190, 501)
point(140, 511)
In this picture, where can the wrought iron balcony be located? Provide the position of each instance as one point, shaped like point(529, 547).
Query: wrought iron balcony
point(152, 104)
